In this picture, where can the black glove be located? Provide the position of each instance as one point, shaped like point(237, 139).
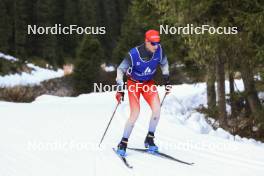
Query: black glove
point(166, 82)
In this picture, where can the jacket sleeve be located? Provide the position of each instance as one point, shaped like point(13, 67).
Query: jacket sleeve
point(122, 69)
point(164, 65)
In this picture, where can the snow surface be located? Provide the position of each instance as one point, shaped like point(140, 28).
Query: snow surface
point(37, 75)
point(107, 68)
point(7, 57)
point(60, 135)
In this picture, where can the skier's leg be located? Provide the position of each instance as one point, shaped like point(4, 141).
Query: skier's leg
point(152, 97)
point(134, 96)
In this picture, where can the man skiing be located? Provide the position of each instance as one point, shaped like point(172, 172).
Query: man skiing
point(140, 66)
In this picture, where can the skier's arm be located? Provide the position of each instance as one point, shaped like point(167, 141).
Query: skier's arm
point(164, 65)
point(122, 69)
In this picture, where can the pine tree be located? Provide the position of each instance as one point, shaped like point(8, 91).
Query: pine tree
point(46, 42)
point(141, 17)
point(245, 49)
point(88, 62)
point(5, 29)
point(71, 15)
point(87, 13)
point(20, 28)
point(56, 17)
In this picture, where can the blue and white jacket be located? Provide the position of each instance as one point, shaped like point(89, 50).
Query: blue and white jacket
point(141, 65)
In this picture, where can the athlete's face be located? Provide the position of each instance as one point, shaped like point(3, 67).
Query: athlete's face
point(151, 46)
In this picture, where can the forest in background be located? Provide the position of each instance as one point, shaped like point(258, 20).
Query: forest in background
point(209, 58)
point(15, 15)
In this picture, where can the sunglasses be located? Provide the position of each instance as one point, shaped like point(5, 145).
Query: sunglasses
point(154, 43)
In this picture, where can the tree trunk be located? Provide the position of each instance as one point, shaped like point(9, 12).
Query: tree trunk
point(251, 93)
point(210, 85)
point(232, 93)
point(220, 77)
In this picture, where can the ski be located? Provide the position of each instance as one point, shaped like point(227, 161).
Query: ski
point(123, 159)
point(160, 154)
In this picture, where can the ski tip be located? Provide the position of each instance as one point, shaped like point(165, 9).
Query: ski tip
point(130, 167)
point(123, 158)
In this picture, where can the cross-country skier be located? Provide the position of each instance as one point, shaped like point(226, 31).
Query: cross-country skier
point(140, 65)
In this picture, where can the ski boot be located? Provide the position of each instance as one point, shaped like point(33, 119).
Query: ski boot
point(121, 148)
point(149, 143)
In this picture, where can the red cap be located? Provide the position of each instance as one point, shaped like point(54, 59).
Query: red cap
point(152, 36)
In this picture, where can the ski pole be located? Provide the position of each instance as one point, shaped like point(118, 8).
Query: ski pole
point(109, 123)
point(163, 99)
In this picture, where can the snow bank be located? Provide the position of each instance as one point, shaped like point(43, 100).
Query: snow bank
point(37, 75)
point(8, 57)
point(181, 104)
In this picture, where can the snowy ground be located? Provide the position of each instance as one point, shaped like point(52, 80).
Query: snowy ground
point(24, 79)
point(59, 137)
